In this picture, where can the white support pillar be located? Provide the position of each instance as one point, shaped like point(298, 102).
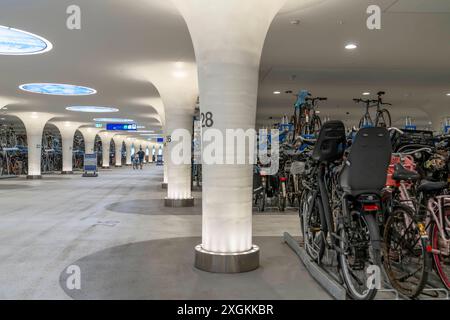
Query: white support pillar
point(128, 144)
point(67, 130)
point(149, 146)
point(228, 58)
point(176, 82)
point(106, 137)
point(118, 142)
point(34, 124)
point(89, 135)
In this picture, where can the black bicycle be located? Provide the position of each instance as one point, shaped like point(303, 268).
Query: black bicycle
point(340, 203)
point(382, 117)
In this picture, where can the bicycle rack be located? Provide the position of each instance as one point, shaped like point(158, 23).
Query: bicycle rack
point(330, 282)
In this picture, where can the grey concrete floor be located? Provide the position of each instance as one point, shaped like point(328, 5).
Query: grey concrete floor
point(48, 225)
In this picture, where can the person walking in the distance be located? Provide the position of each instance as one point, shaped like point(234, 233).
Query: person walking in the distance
point(141, 155)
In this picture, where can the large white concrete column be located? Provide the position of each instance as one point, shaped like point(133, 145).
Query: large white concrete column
point(118, 142)
point(228, 55)
point(67, 130)
point(34, 124)
point(177, 85)
point(149, 146)
point(106, 138)
point(129, 142)
point(89, 135)
point(178, 175)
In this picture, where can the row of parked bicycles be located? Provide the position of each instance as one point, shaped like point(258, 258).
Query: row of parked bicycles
point(377, 198)
point(280, 190)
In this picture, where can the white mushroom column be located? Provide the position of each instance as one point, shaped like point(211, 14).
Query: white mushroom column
point(89, 135)
point(129, 142)
point(228, 37)
point(34, 124)
point(118, 142)
point(67, 130)
point(177, 85)
point(106, 137)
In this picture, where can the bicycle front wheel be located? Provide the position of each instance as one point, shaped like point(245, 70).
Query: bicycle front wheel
point(383, 119)
point(441, 250)
point(316, 124)
point(314, 233)
point(406, 260)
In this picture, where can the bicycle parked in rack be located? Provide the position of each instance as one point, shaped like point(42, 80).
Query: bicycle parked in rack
point(418, 228)
point(305, 118)
point(340, 201)
point(382, 117)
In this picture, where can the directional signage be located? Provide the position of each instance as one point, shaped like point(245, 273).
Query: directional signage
point(121, 127)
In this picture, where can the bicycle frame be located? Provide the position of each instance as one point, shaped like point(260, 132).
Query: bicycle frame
point(435, 207)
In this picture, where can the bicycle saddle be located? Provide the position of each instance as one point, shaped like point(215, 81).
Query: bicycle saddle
point(400, 173)
point(431, 186)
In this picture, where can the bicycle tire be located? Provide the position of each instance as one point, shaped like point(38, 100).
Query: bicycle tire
point(312, 227)
point(442, 269)
point(374, 251)
point(394, 262)
point(386, 116)
point(316, 124)
point(363, 122)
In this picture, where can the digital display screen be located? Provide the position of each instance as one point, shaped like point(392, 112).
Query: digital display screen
point(160, 140)
point(121, 127)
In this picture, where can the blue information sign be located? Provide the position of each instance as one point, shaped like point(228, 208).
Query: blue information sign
point(160, 140)
point(447, 129)
point(90, 165)
point(121, 127)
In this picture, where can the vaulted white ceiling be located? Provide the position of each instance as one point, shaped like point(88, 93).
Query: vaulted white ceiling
point(408, 57)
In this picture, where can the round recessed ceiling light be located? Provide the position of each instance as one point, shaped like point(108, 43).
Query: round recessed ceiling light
point(57, 89)
point(276, 92)
point(18, 42)
point(351, 46)
point(112, 120)
point(448, 94)
point(366, 94)
point(92, 109)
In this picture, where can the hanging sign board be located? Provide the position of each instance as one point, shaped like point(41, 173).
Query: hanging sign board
point(121, 127)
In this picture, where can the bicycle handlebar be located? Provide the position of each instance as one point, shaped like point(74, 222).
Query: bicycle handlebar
point(396, 129)
point(411, 152)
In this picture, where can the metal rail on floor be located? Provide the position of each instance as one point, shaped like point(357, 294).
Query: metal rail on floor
point(329, 279)
point(326, 280)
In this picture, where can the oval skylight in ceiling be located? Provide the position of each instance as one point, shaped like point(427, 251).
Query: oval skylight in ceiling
point(18, 42)
point(119, 120)
point(57, 89)
point(92, 109)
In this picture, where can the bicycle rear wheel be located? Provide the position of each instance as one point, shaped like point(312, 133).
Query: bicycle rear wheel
point(441, 251)
point(312, 227)
point(360, 250)
point(383, 119)
point(365, 122)
point(406, 260)
point(315, 125)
